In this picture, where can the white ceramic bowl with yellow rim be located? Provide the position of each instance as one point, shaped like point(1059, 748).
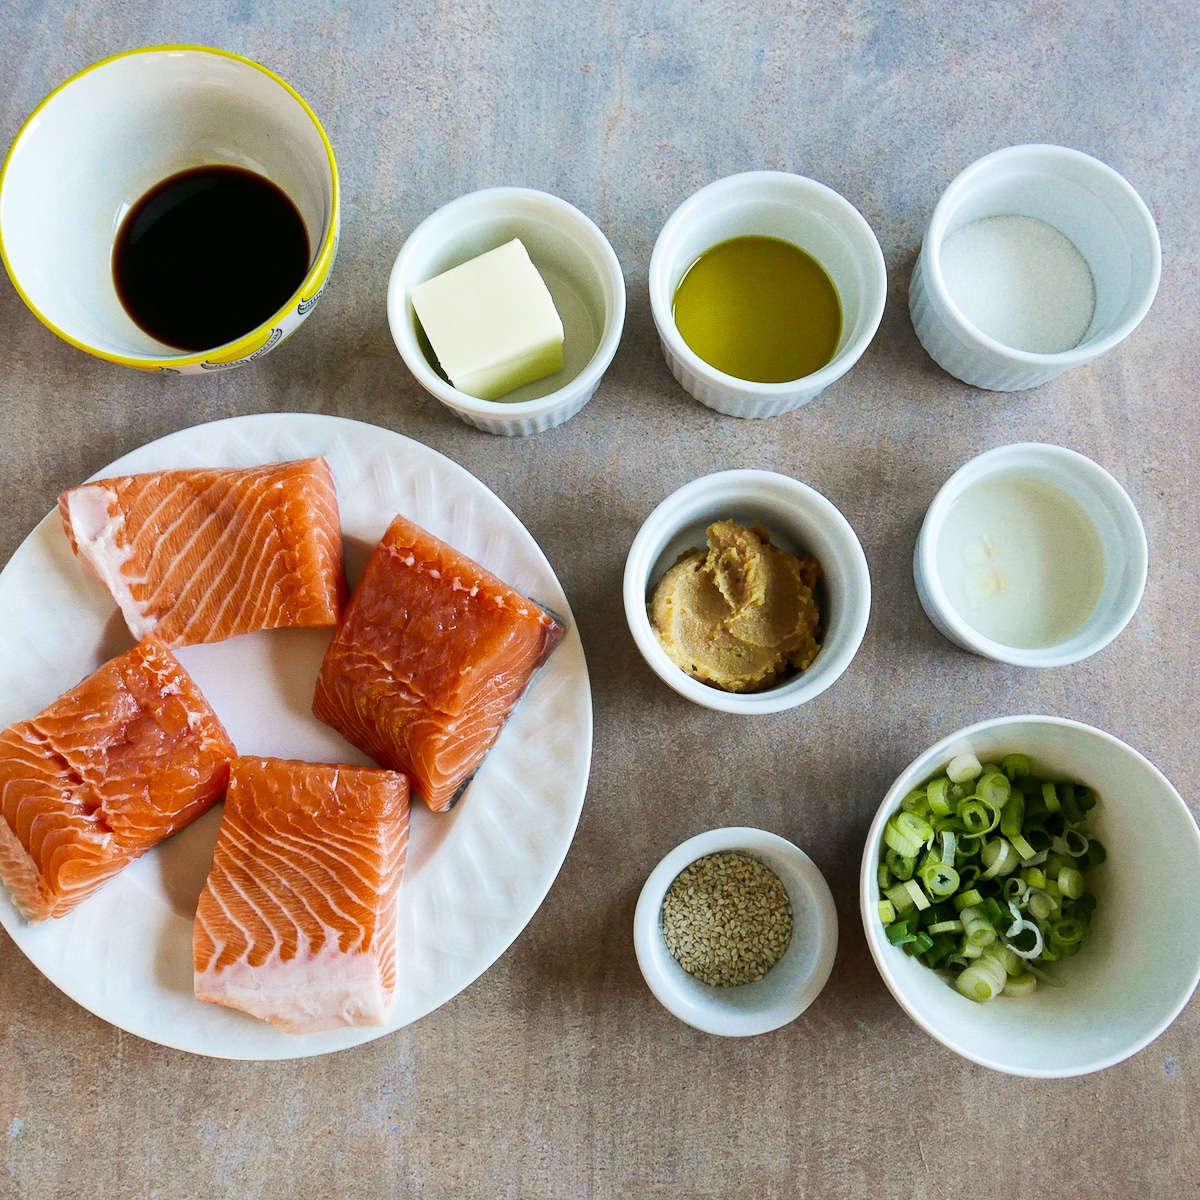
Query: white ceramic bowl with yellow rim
point(789, 987)
point(799, 520)
point(580, 270)
point(99, 142)
point(1141, 961)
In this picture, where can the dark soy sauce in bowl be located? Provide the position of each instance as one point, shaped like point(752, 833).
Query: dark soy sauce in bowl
point(206, 256)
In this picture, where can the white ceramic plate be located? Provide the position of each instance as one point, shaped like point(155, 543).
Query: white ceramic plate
point(475, 876)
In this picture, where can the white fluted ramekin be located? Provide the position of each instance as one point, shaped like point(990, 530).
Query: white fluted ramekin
point(580, 269)
point(794, 209)
point(799, 520)
point(1086, 201)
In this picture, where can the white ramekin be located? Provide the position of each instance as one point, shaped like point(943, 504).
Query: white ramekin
point(799, 520)
point(1086, 201)
point(797, 210)
point(579, 267)
point(1138, 967)
point(1111, 511)
point(789, 987)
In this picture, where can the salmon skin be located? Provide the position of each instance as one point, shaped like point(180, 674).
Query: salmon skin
point(430, 659)
point(297, 922)
point(125, 759)
point(205, 554)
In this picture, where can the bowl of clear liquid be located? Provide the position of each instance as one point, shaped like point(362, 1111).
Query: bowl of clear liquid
point(1031, 554)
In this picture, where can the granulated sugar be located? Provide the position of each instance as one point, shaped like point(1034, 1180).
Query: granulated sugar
point(1020, 281)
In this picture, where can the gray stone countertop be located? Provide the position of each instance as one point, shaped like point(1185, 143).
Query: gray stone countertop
point(557, 1073)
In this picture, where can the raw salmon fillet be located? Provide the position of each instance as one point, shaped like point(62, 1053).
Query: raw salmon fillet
point(430, 659)
point(205, 554)
point(125, 759)
point(297, 922)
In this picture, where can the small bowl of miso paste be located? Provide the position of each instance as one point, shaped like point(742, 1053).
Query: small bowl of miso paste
point(765, 288)
point(1031, 554)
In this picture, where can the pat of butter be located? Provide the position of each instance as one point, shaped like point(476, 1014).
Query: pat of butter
point(492, 322)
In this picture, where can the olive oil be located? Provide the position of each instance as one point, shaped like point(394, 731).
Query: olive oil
point(759, 309)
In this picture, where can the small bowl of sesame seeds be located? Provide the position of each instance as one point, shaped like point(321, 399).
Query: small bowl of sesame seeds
point(736, 932)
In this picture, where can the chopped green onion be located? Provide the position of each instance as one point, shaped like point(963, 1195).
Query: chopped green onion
point(1070, 883)
point(978, 929)
point(1012, 963)
point(939, 879)
point(1015, 766)
point(942, 947)
point(982, 980)
point(999, 858)
point(1019, 929)
point(900, 867)
point(1015, 888)
point(1067, 931)
point(1013, 815)
point(968, 874)
point(977, 817)
point(939, 799)
point(982, 874)
point(906, 833)
point(968, 847)
point(919, 944)
point(1021, 985)
point(1071, 811)
point(994, 790)
point(945, 927)
point(1076, 843)
point(1023, 848)
point(963, 767)
point(1040, 903)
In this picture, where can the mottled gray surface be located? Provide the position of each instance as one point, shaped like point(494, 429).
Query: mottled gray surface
point(557, 1073)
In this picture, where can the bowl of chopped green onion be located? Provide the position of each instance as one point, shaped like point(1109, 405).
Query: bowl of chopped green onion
point(735, 931)
point(1028, 895)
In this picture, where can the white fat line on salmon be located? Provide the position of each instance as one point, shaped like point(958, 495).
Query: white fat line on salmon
point(98, 535)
